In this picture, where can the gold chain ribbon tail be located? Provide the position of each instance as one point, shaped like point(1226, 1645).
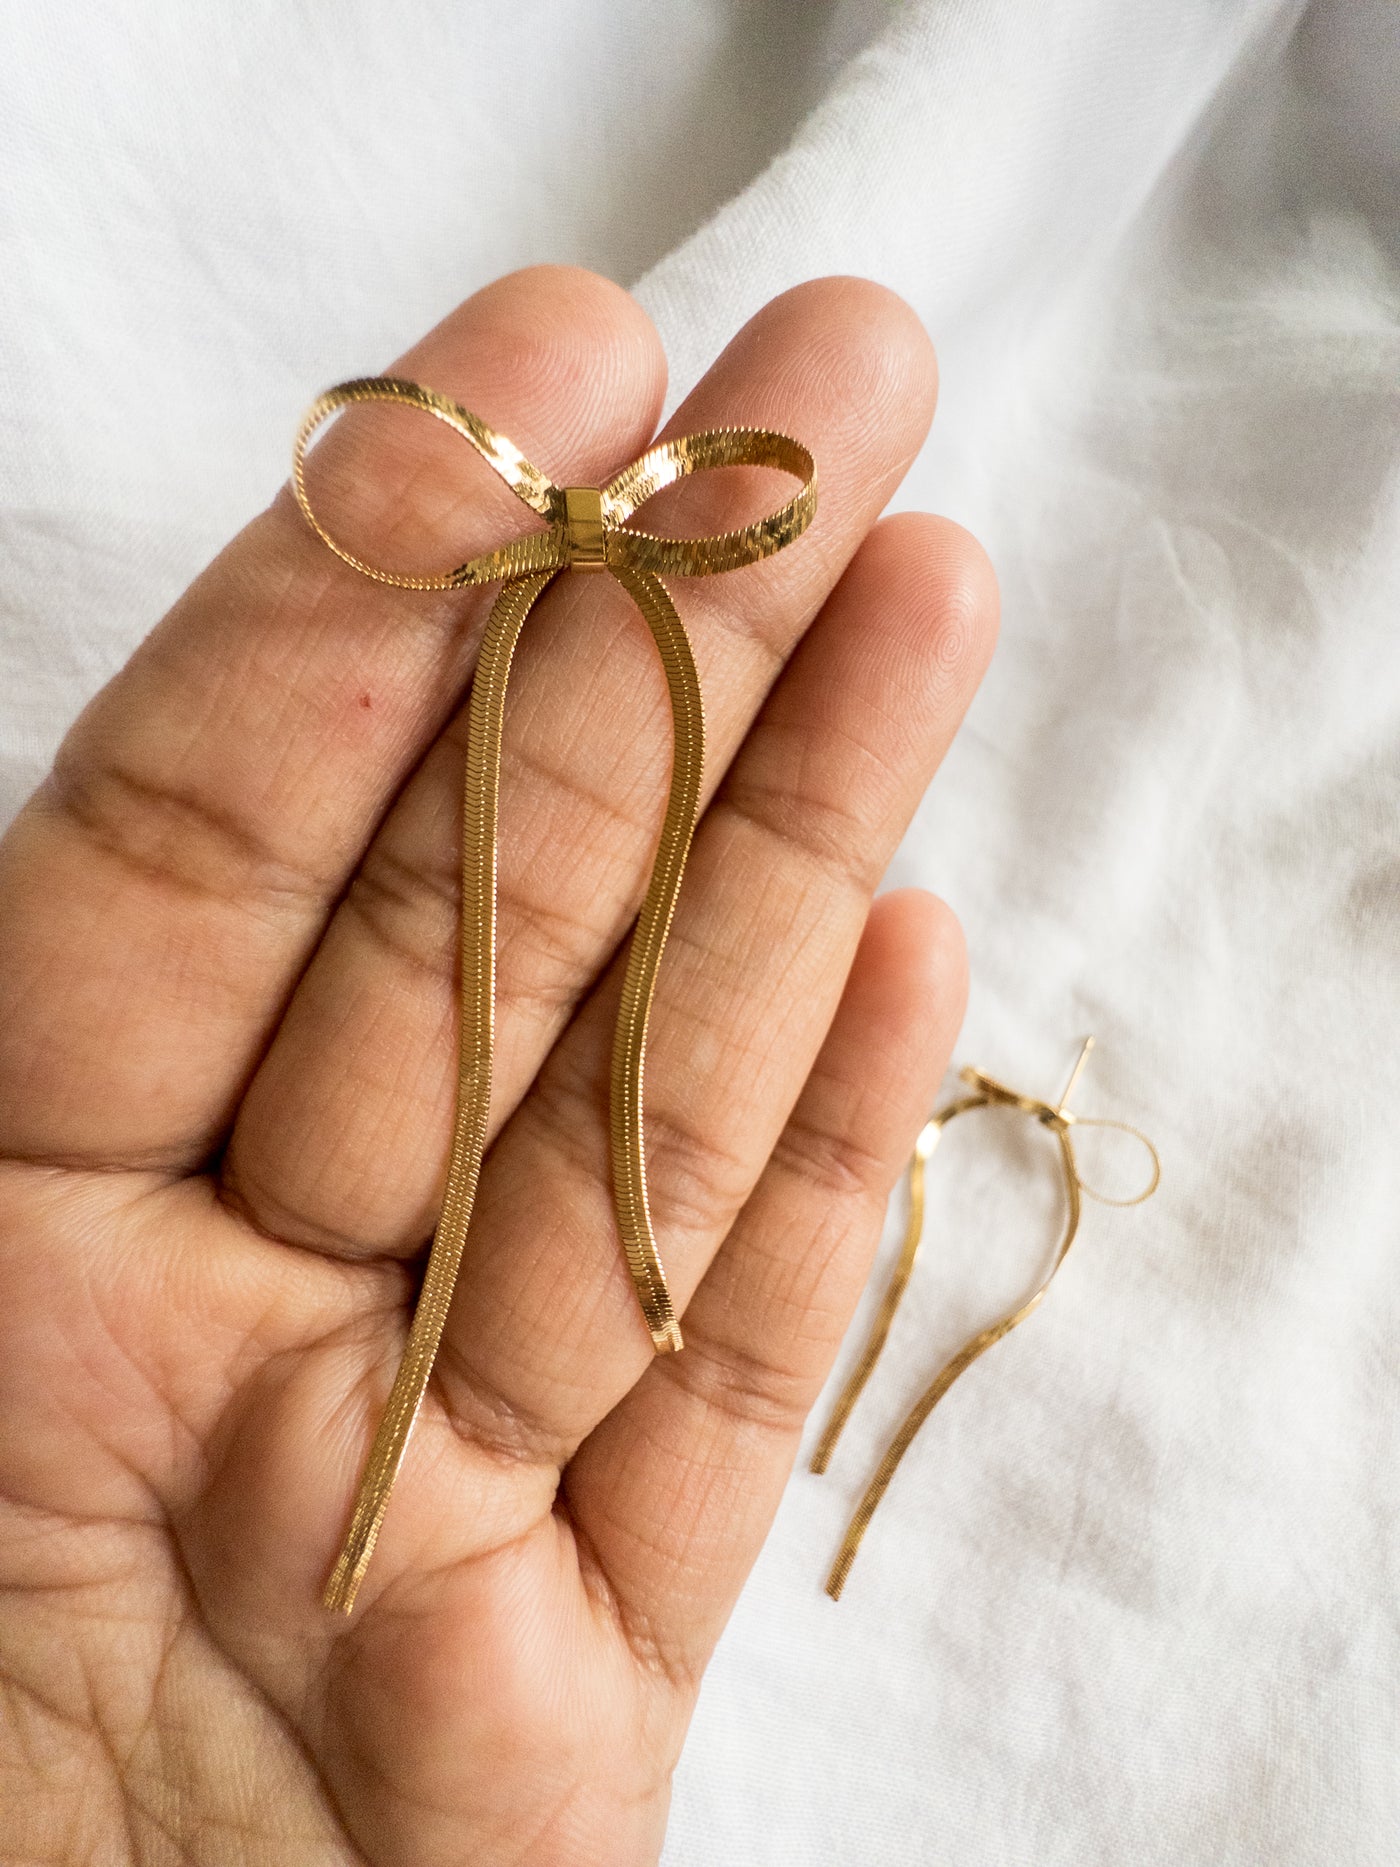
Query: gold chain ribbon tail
point(587, 530)
point(987, 1092)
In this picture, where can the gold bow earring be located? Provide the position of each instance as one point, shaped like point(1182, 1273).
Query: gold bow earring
point(986, 1093)
point(586, 529)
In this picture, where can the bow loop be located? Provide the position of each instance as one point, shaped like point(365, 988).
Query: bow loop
point(669, 461)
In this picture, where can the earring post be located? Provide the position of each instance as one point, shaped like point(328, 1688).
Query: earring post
point(1062, 1105)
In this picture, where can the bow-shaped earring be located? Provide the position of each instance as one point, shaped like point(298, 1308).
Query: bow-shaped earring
point(987, 1093)
point(588, 530)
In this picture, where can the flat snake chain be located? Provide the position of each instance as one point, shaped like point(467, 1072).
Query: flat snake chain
point(587, 531)
point(987, 1093)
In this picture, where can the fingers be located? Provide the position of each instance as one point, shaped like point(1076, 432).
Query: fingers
point(545, 1334)
point(161, 894)
point(342, 1138)
point(675, 1491)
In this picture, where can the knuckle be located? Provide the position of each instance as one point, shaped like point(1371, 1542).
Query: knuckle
point(174, 834)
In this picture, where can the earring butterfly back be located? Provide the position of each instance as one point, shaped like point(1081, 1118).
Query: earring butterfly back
point(985, 1092)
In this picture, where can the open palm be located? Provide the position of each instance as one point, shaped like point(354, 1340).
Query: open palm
point(227, 1043)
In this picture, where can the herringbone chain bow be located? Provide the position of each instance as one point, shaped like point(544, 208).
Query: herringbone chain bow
point(987, 1092)
point(587, 531)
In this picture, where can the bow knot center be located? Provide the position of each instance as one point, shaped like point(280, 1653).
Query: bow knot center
point(585, 540)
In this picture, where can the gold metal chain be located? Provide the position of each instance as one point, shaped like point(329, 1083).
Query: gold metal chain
point(987, 1092)
point(588, 530)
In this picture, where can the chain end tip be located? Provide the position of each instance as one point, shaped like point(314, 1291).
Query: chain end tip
point(345, 1578)
point(336, 1598)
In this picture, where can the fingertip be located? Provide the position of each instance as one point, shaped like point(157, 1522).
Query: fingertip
point(885, 322)
point(914, 943)
point(871, 345)
point(843, 363)
point(972, 591)
point(568, 328)
point(574, 302)
point(945, 960)
point(950, 587)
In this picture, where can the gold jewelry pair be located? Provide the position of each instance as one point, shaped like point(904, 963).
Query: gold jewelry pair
point(589, 529)
point(987, 1092)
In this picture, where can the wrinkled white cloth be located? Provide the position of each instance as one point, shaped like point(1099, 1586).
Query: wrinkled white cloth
point(1132, 1598)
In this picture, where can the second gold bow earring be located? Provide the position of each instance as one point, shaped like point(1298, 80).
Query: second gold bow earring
point(986, 1093)
point(587, 530)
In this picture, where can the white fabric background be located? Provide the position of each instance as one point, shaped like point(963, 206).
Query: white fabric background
point(1133, 1596)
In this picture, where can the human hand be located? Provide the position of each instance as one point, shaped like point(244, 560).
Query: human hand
point(227, 1056)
